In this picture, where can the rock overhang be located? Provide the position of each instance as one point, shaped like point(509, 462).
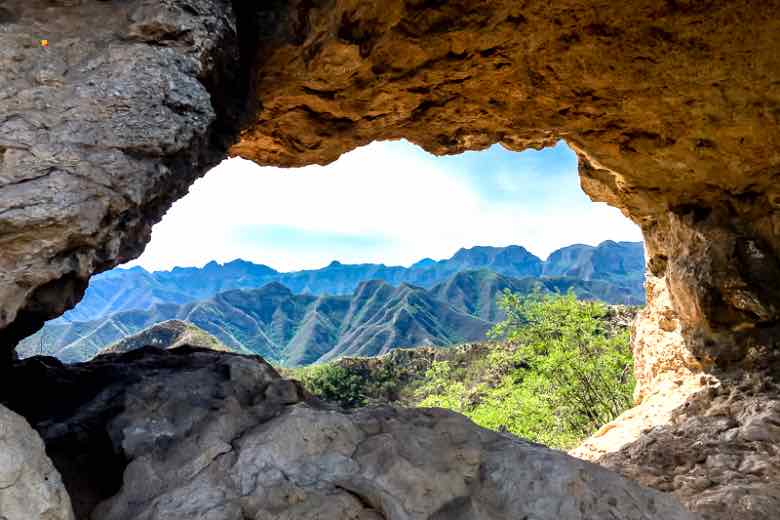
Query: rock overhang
point(674, 119)
point(673, 108)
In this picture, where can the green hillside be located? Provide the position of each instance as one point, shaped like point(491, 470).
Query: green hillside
point(554, 376)
point(166, 335)
point(298, 329)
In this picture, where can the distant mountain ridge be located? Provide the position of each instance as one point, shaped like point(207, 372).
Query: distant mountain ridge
point(299, 329)
point(620, 264)
point(282, 326)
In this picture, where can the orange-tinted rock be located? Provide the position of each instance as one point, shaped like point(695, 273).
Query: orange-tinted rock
point(675, 121)
point(673, 107)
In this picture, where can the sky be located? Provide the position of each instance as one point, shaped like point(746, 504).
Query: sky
point(389, 202)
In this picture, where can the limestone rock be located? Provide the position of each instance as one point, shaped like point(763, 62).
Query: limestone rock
point(211, 435)
point(30, 487)
point(672, 107)
point(719, 452)
point(656, 410)
point(99, 132)
point(661, 354)
point(673, 125)
point(675, 121)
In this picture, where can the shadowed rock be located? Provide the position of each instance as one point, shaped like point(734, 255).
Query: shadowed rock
point(108, 125)
point(718, 452)
point(191, 433)
point(672, 107)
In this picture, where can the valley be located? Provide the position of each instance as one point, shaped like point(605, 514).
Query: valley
point(342, 310)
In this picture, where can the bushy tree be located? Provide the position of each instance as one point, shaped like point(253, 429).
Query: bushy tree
point(334, 383)
point(581, 372)
point(556, 374)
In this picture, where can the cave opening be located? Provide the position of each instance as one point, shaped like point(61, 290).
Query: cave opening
point(670, 106)
point(379, 212)
point(388, 211)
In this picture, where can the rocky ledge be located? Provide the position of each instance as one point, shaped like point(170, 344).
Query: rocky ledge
point(718, 452)
point(191, 433)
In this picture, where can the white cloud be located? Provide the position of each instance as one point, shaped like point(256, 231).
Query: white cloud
point(409, 201)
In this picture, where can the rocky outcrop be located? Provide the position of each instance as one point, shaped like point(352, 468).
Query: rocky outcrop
point(107, 125)
point(191, 433)
point(711, 439)
point(100, 131)
point(671, 122)
point(676, 122)
point(30, 487)
point(717, 451)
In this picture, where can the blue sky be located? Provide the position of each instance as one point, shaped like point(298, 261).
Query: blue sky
point(388, 202)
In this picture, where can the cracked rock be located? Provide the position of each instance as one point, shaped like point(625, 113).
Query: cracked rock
point(192, 433)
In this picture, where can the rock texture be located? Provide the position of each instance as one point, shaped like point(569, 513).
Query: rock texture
point(675, 121)
point(191, 433)
point(673, 107)
point(99, 132)
point(717, 451)
point(30, 487)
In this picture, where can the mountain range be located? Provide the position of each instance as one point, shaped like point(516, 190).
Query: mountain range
point(282, 326)
point(619, 266)
point(299, 329)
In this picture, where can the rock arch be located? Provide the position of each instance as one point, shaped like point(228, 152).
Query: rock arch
point(673, 107)
point(675, 122)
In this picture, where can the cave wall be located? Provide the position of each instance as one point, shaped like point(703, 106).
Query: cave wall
point(673, 107)
point(100, 131)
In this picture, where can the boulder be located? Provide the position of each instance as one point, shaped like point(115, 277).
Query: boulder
point(30, 486)
point(717, 451)
point(211, 435)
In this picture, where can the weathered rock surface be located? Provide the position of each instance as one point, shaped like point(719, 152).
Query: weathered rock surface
point(30, 487)
point(674, 118)
point(718, 452)
point(673, 107)
point(711, 441)
point(99, 132)
point(192, 433)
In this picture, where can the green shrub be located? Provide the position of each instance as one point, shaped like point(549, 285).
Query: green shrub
point(558, 377)
point(334, 383)
point(583, 373)
point(556, 373)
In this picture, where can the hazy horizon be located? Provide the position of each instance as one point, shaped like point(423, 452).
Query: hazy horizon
point(387, 202)
point(131, 265)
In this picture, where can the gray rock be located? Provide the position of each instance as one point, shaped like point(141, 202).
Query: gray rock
point(99, 132)
point(30, 486)
point(718, 454)
point(211, 435)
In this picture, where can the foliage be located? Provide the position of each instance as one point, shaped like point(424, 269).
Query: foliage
point(557, 372)
point(334, 383)
point(582, 372)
